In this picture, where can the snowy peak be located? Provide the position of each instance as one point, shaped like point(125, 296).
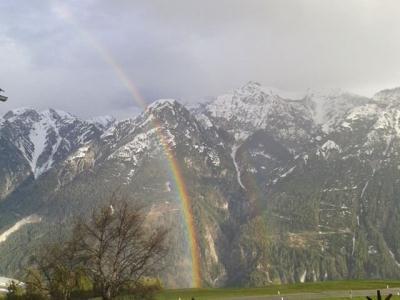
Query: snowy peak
point(162, 103)
point(102, 122)
point(34, 115)
point(250, 88)
point(256, 104)
point(165, 123)
point(22, 111)
point(250, 99)
point(165, 112)
point(254, 107)
point(329, 107)
point(45, 138)
point(24, 119)
point(254, 93)
point(253, 88)
point(59, 116)
point(36, 133)
point(388, 96)
point(162, 113)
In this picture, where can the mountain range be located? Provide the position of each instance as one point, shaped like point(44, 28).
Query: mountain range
point(284, 187)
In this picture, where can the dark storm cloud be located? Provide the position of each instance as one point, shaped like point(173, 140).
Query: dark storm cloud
point(190, 49)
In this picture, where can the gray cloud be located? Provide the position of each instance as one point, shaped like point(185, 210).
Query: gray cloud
point(189, 50)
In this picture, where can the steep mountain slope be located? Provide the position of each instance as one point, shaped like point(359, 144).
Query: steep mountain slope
point(284, 188)
point(37, 141)
point(328, 107)
point(308, 189)
point(131, 158)
point(252, 108)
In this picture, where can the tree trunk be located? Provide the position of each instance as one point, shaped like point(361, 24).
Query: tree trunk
point(106, 294)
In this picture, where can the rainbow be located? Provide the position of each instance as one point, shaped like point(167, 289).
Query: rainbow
point(63, 12)
point(187, 212)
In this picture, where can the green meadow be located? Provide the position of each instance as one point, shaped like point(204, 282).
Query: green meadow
point(209, 294)
point(359, 298)
point(229, 293)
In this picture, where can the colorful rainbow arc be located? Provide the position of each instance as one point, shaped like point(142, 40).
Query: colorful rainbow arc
point(65, 14)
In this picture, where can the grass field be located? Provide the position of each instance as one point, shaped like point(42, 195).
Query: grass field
point(210, 294)
point(360, 298)
point(224, 293)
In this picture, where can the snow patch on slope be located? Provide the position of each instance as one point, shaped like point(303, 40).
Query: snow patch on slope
point(80, 153)
point(45, 138)
point(237, 168)
point(330, 106)
point(211, 245)
point(394, 258)
point(288, 172)
point(38, 137)
point(303, 276)
point(327, 148)
point(204, 120)
point(32, 219)
point(5, 283)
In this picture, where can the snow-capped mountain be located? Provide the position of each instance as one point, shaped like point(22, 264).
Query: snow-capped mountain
point(49, 136)
point(328, 107)
point(43, 139)
point(284, 187)
point(103, 122)
point(253, 107)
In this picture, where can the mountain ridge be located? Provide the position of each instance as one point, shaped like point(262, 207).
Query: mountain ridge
point(282, 190)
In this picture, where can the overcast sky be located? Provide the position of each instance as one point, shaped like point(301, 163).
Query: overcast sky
point(52, 52)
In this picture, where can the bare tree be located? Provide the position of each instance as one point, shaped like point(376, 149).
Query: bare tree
point(55, 271)
point(117, 248)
